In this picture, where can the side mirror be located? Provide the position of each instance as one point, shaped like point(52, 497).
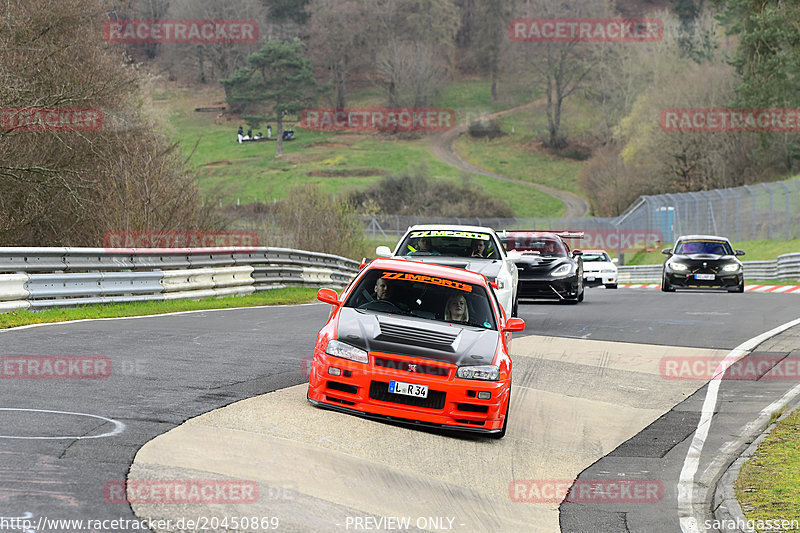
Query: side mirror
point(667, 251)
point(383, 251)
point(576, 253)
point(514, 255)
point(514, 324)
point(328, 296)
point(615, 260)
point(739, 252)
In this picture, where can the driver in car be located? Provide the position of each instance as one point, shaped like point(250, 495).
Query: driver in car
point(381, 289)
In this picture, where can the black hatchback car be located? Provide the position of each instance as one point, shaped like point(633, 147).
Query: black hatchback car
point(702, 262)
point(548, 269)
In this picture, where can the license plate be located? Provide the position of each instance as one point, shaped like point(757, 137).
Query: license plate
point(408, 389)
point(589, 278)
point(705, 277)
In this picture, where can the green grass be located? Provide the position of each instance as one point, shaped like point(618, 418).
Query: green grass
point(339, 162)
point(519, 155)
point(470, 98)
point(287, 296)
point(756, 251)
point(767, 484)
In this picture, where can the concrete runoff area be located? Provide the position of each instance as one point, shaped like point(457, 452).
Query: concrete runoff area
point(573, 401)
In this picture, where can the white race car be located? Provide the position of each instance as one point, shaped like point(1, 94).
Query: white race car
point(473, 248)
point(599, 269)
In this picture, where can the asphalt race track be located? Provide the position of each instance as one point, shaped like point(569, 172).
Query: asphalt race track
point(590, 402)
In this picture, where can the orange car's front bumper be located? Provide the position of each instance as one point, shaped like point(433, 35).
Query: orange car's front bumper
point(363, 389)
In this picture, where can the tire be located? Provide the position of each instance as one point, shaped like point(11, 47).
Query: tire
point(502, 432)
point(665, 286)
point(580, 296)
point(515, 307)
point(611, 285)
point(738, 288)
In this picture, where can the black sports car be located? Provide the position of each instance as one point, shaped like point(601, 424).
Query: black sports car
point(702, 262)
point(547, 267)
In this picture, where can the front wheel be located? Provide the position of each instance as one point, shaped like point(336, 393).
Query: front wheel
point(738, 288)
point(665, 286)
point(515, 307)
point(502, 432)
point(611, 285)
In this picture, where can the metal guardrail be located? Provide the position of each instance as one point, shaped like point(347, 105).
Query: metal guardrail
point(785, 267)
point(39, 278)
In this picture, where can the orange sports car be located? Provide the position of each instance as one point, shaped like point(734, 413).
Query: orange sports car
point(416, 343)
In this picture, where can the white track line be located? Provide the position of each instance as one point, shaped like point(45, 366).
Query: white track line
point(686, 485)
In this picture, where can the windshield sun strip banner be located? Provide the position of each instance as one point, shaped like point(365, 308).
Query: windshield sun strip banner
point(405, 276)
point(449, 233)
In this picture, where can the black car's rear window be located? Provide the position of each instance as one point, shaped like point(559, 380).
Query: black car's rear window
point(428, 297)
point(541, 244)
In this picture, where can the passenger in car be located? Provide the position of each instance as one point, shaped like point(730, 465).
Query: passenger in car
point(478, 248)
point(456, 308)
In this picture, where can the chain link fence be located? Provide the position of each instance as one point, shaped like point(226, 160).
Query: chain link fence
point(766, 211)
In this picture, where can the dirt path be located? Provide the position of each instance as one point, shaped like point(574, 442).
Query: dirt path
point(443, 146)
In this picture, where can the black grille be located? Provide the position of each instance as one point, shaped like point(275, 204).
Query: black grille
point(379, 390)
point(343, 387)
point(473, 422)
point(406, 367)
point(543, 263)
point(414, 336)
point(472, 408)
point(339, 400)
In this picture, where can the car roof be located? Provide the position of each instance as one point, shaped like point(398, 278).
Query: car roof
point(428, 269)
point(702, 237)
point(531, 232)
point(454, 227)
point(594, 252)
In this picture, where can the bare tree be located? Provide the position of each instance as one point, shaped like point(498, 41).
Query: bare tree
point(139, 9)
point(561, 68)
point(339, 44)
point(409, 31)
point(411, 74)
point(67, 187)
point(209, 62)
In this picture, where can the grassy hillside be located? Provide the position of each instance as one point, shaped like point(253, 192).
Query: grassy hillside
point(339, 162)
point(519, 154)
